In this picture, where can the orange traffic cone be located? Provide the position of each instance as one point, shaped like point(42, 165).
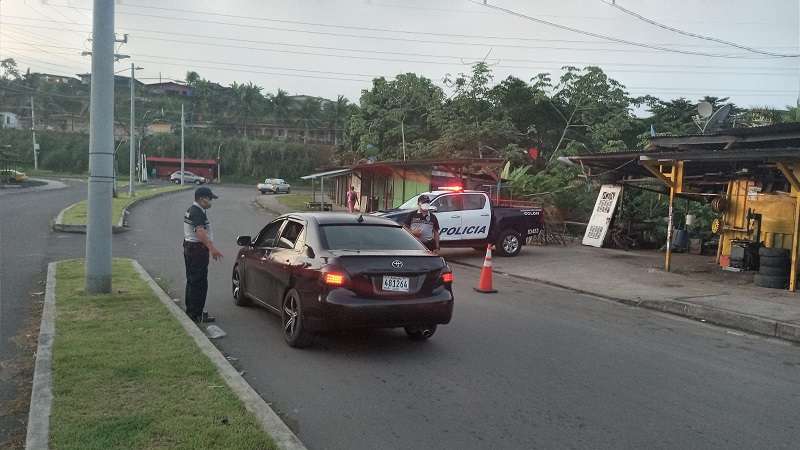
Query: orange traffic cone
point(485, 282)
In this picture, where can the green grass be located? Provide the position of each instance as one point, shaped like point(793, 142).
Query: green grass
point(76, 215)
point(51, 173)
point(126, 375)
point(297, 202)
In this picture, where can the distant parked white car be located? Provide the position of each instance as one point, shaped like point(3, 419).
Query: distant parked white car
point(188, 178)
point(274, 186)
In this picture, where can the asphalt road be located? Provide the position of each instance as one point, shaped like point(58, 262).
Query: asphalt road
point(531, 367)
point(26, 246)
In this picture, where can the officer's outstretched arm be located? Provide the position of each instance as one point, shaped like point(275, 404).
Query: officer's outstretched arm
point(202, 234)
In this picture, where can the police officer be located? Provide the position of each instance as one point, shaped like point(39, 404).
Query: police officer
point(424, 225)
point(198, 243)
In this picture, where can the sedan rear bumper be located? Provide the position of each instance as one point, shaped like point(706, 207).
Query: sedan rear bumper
point(342, 309)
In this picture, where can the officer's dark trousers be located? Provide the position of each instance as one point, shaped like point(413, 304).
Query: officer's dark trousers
point(195, 255)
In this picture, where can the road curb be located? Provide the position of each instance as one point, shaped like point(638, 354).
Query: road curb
point(270, 422)
point(38, 434)
point(717, 316)
point(121, 226)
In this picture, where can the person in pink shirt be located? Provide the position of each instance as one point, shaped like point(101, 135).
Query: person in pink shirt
point(352, 199)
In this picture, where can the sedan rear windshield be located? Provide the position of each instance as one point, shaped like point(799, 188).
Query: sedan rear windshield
point(368, 237)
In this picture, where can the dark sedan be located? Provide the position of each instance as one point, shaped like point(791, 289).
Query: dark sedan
point(329, 271)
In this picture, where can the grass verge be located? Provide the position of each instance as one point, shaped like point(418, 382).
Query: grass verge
point(126, 375)
point(296, 202)
point(77, 214)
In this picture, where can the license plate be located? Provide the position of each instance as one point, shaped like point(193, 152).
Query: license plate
point(396, 284)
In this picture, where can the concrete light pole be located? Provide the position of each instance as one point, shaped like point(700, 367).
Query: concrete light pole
point(183, 123)
point(131, 174)
point(101, 150)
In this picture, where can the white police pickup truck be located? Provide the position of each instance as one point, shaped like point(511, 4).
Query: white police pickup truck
point(468, 219)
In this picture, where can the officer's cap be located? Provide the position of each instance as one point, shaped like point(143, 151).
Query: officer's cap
point(204, 192)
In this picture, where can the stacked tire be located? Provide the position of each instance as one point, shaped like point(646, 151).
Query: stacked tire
point(773, 268)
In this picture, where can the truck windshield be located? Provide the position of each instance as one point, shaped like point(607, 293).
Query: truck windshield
point(412, 202)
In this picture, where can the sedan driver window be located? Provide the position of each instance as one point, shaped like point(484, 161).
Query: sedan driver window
point(290, 234)
point(268, 235)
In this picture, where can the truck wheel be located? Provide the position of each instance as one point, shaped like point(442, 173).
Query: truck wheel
point(509, 243)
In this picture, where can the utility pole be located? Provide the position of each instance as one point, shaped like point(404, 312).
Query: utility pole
point(35, 145)
point(133, 133)
point(183, 123)
point(101, 150)
point(219, 164)
point(403, 134)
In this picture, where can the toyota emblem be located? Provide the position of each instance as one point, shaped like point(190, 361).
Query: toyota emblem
point(397, 264)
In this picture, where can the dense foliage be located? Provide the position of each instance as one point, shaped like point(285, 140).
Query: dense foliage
point(406, 117)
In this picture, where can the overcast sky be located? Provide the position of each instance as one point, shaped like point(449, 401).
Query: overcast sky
point(334, 47)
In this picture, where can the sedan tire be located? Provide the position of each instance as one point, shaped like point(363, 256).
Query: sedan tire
point(294, 332)
point(239, 299)
point(422, 333)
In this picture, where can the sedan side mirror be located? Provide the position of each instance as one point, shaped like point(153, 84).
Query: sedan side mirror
point(244, 241)
point(310, 252)
point(433, 209)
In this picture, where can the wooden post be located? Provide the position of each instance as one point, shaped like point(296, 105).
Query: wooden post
point(795, 240)
point(676, 186)
point(723, 221)
point(668, 257)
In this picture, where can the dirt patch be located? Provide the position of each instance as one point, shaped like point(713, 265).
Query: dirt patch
point(19, 371)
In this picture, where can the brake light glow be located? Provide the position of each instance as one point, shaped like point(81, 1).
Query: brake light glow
point(447, 277)
point(334, 279)
point(452, 188)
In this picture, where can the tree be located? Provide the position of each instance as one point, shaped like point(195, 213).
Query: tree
point(594, 108)
point(249, 102)
point(335, 115)
point(9, 69)
point(192, 78)
point(394, 111)
point(471, 120)
point(281, 106)
point(309, 114)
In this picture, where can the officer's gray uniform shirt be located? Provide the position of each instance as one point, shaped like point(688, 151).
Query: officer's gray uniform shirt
point(196, 217)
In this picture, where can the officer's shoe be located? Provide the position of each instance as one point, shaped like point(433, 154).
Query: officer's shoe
point(205, 318)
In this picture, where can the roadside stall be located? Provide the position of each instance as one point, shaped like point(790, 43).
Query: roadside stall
point(748, 176)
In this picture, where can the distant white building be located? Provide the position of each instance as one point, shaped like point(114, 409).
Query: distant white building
point(9, 120)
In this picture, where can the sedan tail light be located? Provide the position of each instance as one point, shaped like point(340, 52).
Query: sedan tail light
point(336, 279)
point(447, 278)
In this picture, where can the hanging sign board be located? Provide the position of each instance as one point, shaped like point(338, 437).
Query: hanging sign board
point(601, 215)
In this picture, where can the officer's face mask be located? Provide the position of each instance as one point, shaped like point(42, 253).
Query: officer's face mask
point(425, 206)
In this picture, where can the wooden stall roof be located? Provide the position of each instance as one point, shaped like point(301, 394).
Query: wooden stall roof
point(723, 155)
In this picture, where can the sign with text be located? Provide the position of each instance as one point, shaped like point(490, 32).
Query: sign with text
point(601, 215)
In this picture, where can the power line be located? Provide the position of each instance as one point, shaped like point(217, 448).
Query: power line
point(29, 58)
point(38, 45)
point(467, 11)
point(644, 89)
point(472, 44)
point(349, 27)
point(294, 69)
point(602, 36)
point(698, 36)
point(145, 37)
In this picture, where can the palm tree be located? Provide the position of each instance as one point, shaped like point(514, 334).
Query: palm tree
point(309, 112)
point(335, 114)
point(281, 105)
point(249, 101)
